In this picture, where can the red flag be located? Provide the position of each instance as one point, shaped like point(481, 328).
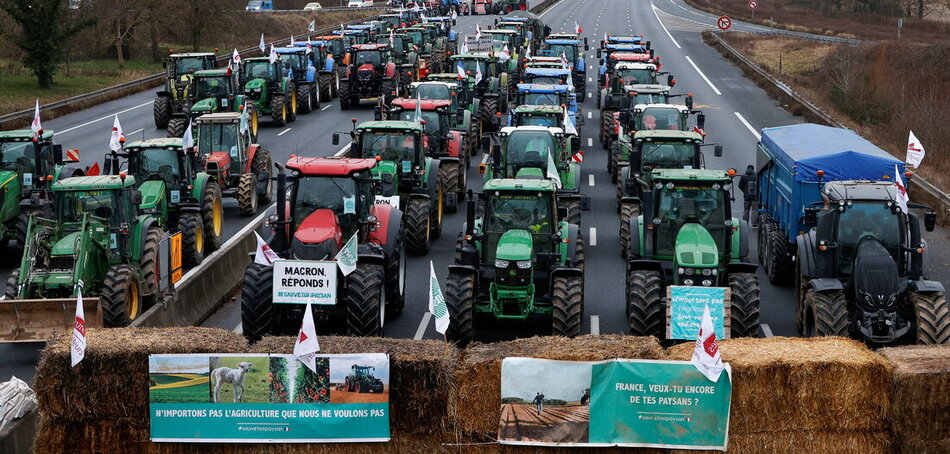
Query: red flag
point(77, 349)
point(93, 171)
point(577, 28)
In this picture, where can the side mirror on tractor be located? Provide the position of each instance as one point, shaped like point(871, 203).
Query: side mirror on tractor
point(600, 53)
point(717, 151)
point(336, 138)
point(670, 80)
point(811, 217)
point(701, 121)
point(930, 221)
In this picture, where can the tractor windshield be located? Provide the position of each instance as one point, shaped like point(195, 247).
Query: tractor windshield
point(71, 205)
point(334, 193)
point(540, 120)
point(297, 62)
point(691, 202)
point(636, 76)
point(526, 211)
point(213, 137)
point(661, 118)
point(397, 45)
point(212, 87)
point(527, 149)
point(569, 51)
point(336, 46)
point(190, 65)
point(472, 67)
point(866, 219)
point(432, 91)
point(416, 37)
point(372, 57)
point(18, 156)
point(651, 98)
point(431, 117)
point(668, 155)
point(546, 80)
point(541, 99)
point(390, 147)
point(151, 162)
point(260, 70)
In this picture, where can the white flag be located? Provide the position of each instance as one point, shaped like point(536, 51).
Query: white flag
point(437, 302)
point(418, 116)
point(902, 197)
point(292, 42)
point(115, 142)
point(242, 125)
point(273, 54)
point(236, 57)
point(706, 356)
point(454, 15)
point(309, 48)
point(527, 53)
point(264, 254)
point(478, 32)
point(552, 172)
point(77, 350)
point(187, 141)
point(306, 347)
point(569, 127)
point(463, 49)
point(478, 73)
point(262, 45)
point(346, 258)
point(504, 55)
point(313, 26)
point(36, 126)
point(915, 151)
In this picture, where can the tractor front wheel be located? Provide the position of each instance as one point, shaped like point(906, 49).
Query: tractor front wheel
point(567, 299)
point(262, 163)
point(22, 225)
point(460, 300)
point(388, 89)
point(253, 122)
point(247, 194)
point(645, 312)
point(932, 317)
point(418, 221)
point(325, 81)
point(121, 296)
point(257, 314)
point(177, 127)
point(364, 298)
point(745, 305)
point(396, 277)
point(573, 212)
point(304, 99)
point(826, 313)
point(293, 106)
point(344, 95)
point(161, 111)
point(278, 110)
point(148, 263)
point(193, 239)
point(11, 290)
point(628, 211)
point(212, 215)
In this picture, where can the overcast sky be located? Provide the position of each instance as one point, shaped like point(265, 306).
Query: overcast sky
point(525, 377)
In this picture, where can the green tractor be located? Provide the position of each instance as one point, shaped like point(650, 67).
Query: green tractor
point(361, 380)
point(237, 165)
point(687, 236)
point(465, 118)
point(270, 89)
point(542, 115)
point(538, 153)
point(30, 165)
point(492, 90)
point(465, 98)
point(175, 97)
point(175, 191)
point(212, 91)
point(98, 239)
point(409, 177)
point(517, 259)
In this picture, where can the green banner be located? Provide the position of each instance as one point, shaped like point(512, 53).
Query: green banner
point(686, 310)
point(634, 403)
point(268, 398)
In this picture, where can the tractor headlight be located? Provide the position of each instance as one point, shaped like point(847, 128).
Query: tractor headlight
point(707, 282)
point(687, 282)
point(499, 263)
point(524, 264)
point(689, 271)
point(707, 272)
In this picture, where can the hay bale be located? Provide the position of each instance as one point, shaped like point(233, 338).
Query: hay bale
point(112, 381)
point(422, 375)
point(920, 402)
point(793, 384)
point(476, 405)
point(818, 441)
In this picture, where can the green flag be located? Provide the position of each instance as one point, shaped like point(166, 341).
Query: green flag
point(346, 258)
point(437, 302)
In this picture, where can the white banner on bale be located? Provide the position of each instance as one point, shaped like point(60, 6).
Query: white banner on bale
point(299, 281)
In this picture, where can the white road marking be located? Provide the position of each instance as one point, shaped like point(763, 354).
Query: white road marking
point(690, 60)
point(590, 95)
point(134, 132)
point(590, 142)
point(421, 330)
point(326, 107)
point(589, 115)
point(767, 330)
point(103, 118)
point(590, 179)
point(239, 329)
point(593, 236)
point(748, 126)
point(283, 132)
point(664, 26)
point(590, 79)
point(595, 325)
point(549, 9)
point(343, 150)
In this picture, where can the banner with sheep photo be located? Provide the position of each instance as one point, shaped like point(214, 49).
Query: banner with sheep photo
point(622, 402)
point(269, 398)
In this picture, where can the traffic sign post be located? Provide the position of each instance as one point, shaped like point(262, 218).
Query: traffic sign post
point(724, 23)
point(753, 5)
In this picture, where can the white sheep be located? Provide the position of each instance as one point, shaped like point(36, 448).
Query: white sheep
point(235, 377)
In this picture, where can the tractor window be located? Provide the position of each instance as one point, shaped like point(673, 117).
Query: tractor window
point(546, 80)
point(336, 46)
point(432, 119)
point(471, 67)
point(314, 193)
point(699, 204)
point(160, 162)
point(539, 120)
point(866, 219)
point(372, 57)
point(659, 118)
point(636, 76)
point(189, 65)
point(416, 37)
point(398, 46)
point(669, 155)
point(526, 212)
point(212, 87)
point(218, 137)
point(18, 156)
point(569, 51)
point(297, 61)
point(70, 206)
point(651, 98)
point(260, 70)
point(541, 99)
point(432, 91)
point(390, 147)
point(527, 149)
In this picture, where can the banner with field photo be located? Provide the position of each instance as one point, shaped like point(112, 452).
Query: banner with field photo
point(268, 398)
point(633, 403)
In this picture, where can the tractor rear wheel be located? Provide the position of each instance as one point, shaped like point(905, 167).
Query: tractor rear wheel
point(389, 89)
point(613, 161)
point(396, 277)
point(177, 127)
point(325, 81)
point(645, 312)
point(628, 211)
point(257, 308)
point(192, 238)
point(418, 220)
point(212, 216)
point(573, 212)
point(161, 111)
point(10, 290)
point(579, 255)
point(22, 225)
point(438, 211)
point(745, 305)
point(293, 106)
point(567, 299)
point(780, 261)
point(618, 191)
point(606, 123)
point(344, 95)
point(247, 194)
point(460, 300)
point(148, 263)
point(121, 296)
point(932, 317)
point(364, 297)
point(826, 313)
point(278, 110)
point(304, 100)
point(450, 174)
point(486, 113)
point(262, 163)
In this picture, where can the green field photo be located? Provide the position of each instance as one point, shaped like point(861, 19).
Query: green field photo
point(256, 383)
point(178, 388)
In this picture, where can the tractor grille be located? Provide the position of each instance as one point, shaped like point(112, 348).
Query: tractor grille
point(62, 262)
point(512, 275)
point(364, 75)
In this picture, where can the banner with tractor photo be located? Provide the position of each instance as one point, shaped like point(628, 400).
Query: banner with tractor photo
point(269, 398)
point(622, 402)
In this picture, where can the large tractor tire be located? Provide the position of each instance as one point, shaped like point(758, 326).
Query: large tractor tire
point(460, 300)
point(486, 114)
point(11, 288)
point(606, 123)
point(278, 110)
point(438, 211)
point(293, 106)
point(396, 278)
point(567, 299)
point(418, 220)
point(745, 305)
point(177, 127)
point(257, 307)
point(389, 89)
point(21, 227)
point(253, 122)
point(247, 194)
point(780, 266)
point(628, 211)
point(192, 238)
point(932, 317)
point(148, 264)
point(325, 82)
point(573, 212)
point(212, 216)
point(121, 296)
point(261, 163)
point(304, 100)
point(580, 256)
point(450, 174)
point(765, 229)
point(615, 169)
point(826, 313)
point(645, 312)
point(344, 94)
point(365, 296)
point(161, 111)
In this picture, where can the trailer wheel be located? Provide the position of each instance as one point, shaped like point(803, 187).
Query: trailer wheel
point(932, 317)
point(645, 312)
point(365, 296)
point(192, 238)
point(460, 300)
point(121, 296)
point(449, 173)
point(765, 229)
point(262, 163)
point(212, 215)
point(177, 127)
point(628, 211)
point(247, 194)
point(780, 261)
point(745, 305)
point(567, 299)
point(257, 314)
point(161, 111)
point(826, 314)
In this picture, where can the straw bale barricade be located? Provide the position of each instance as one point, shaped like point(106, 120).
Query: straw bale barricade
point(827, 395)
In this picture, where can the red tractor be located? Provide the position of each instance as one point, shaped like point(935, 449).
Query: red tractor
point(239, 167)
point(370, 74)
point(331, 200)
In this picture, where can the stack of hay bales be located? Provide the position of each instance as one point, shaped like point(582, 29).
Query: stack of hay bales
point(827, 395)
point(920, 399)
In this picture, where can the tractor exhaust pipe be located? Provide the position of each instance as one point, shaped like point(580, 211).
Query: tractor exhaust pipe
point(280, 233)
point(470, 215)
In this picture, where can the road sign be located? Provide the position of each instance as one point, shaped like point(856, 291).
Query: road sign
point(753, 4)
point(724, 23)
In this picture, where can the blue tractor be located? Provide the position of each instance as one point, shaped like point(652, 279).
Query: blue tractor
point(328, 78)
point(570, 48)
point(551, 95)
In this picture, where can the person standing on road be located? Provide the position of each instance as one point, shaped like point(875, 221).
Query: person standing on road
point(539, 402)
point(748, 185)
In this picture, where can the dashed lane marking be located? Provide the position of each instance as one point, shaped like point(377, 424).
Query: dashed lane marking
point(421, 330)
point(590, 142)
point(283, 132)
point(590, 179)
point(748, 126)
point(595, 325)
point(593, 236)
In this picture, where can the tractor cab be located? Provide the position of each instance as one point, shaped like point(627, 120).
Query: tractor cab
point(393, 21)
point(179, 65)
point(647, 94)
point(546, 76)
point(214, 91)
point(655, 117)
point(570, 49)
point(33, 161)
point(531, 152)
point(259, 75)
point(400, 45)
point(400, 146)
point(222, 144)
point(108, 200)
point(353, 37)
point(435, 115)
point(160, 160)
point(632, 73)
point(374, 28)
point(297, 59)
point(369, 56)
point(337, 47)
point(419, 36)
point(510, 38)
point(548, 95)
point(666, 150)
point(545, 116)
point(473, 65)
